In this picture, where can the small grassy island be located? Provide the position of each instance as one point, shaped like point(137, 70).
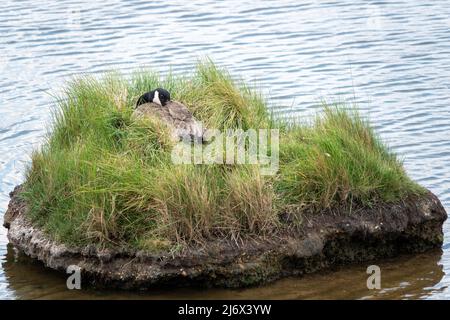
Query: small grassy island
point(103, 189)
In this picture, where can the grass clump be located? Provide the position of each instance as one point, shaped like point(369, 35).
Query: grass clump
point(339, 160)
point(102, 177)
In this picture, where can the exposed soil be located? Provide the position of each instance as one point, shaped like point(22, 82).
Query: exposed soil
point(323, 240)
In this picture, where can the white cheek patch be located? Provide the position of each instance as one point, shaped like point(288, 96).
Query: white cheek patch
point(156, 98)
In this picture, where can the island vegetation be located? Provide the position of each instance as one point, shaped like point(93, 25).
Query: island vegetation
point(104, 178)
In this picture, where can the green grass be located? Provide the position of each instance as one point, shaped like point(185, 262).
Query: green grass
point(103, 178)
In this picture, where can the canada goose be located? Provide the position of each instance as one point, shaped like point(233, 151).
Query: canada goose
point(176, 114)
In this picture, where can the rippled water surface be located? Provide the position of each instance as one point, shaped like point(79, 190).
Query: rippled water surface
point(392, 57)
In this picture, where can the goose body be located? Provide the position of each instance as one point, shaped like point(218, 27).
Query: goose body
point(177, 116)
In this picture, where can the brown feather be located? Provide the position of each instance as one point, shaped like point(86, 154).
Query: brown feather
point(177, 116)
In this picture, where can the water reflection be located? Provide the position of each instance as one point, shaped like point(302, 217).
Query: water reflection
point(411, 277)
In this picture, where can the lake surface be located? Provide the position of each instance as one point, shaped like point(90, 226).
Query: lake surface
point(391, 57)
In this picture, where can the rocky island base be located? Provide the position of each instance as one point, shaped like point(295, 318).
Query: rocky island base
point(323, 241)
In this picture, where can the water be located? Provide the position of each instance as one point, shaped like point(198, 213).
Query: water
point(392, 57)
